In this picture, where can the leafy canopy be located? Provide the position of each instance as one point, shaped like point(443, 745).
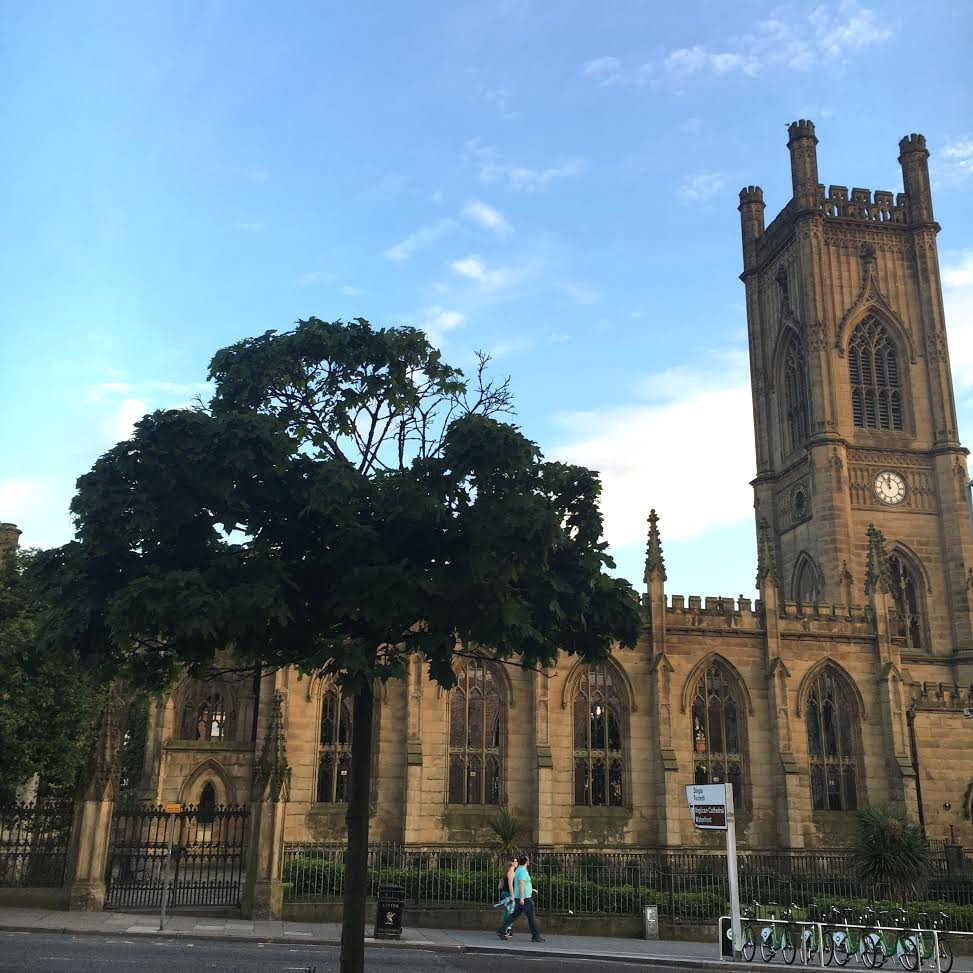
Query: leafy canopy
point(344, 500)
point(48, 703)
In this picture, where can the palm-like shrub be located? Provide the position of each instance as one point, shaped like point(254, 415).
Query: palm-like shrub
point(509, 831)
point(890, 851)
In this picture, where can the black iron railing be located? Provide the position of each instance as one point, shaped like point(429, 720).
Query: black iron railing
point(685, 886)
point(34, 842)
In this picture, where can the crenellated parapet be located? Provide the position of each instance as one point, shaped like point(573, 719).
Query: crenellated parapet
point(862, 204)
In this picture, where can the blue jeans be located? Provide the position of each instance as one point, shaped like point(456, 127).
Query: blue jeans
point(528, 908)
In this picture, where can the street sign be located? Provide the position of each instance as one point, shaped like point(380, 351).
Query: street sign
point(173, 808)
point(707, 803)
point(711, 806)
point(710, 817)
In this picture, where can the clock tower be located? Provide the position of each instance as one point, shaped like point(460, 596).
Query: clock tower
point(855, 421)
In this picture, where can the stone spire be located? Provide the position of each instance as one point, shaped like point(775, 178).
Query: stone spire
point(654, 562)
point(765, 556)
point(877, 576)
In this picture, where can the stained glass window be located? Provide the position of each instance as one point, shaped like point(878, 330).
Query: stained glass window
point(876, 396)
point(334, 748)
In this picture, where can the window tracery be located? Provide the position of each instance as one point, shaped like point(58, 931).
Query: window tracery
point(599, 767)
point(334, 748)
point(206, 715)
point(907, 615)
point(718, 733)
point(475, 737)
point(832, 743)
point(876, 394)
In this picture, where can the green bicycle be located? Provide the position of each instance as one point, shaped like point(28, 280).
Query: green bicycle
point(815, 936)
point(778, 937)
point(920, 946)
point(850, 939)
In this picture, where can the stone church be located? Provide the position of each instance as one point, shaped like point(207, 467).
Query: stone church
point(848, 682)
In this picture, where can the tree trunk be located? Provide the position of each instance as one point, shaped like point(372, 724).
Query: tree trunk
point(356, 855)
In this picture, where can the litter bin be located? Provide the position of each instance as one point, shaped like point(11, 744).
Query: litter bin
point(650, 922)
point(388, 911)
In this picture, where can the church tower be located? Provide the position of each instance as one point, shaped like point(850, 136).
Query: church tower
point(855, 420)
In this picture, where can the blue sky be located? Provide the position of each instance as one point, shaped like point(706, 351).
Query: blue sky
point(553, 182)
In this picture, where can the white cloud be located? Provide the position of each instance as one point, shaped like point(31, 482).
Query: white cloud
point(436, 321)
point(604, 70)
point(671, 476)
point(424, 237)
point(474, 268)
point(486, 216)
point(825, 35)
point(955, 161)
point(558, 339)
point(350, 291)
point(494, 169)
point(316, 277)
point(249, 226)
point(700, 186)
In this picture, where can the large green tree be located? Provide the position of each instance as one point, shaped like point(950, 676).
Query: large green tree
point(345, 499)
point(48, 700)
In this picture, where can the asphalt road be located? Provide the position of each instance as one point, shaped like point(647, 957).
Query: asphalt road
point(29, 952)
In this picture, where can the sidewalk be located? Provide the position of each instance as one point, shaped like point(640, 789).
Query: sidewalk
point(694, 956)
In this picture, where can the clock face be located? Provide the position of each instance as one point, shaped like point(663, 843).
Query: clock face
point(889, 487)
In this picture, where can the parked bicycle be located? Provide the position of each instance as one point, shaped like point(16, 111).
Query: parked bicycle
point(920, 946)
point(778, 936)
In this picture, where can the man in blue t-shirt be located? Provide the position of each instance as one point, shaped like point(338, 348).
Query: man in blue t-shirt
point(523, 890)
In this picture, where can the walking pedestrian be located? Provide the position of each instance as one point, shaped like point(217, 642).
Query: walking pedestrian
point(523, 891)
point(505, 887)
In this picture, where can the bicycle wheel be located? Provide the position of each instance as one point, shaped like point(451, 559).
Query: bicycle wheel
point(945, 956)
point(749, 947)
point(909, 957)
point(787, 948)
point(827, 944)
point(840, 951)
point(767, 950)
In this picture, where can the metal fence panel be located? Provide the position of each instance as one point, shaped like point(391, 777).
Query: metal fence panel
point(34, 841)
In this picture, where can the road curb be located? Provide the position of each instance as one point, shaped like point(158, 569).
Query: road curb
point(678, 962)
point(224, 938)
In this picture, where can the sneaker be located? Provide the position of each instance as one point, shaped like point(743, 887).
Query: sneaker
point(538, 939)
point(503, 935)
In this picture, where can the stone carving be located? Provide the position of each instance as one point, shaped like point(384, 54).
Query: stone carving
point(877, 574)
point(272, 774)
point(817, 336)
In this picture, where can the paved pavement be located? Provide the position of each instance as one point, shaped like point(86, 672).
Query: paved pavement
point(131, 927)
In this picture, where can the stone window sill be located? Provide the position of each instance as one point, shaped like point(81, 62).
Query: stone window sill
point(209, 745)
point(599, 811)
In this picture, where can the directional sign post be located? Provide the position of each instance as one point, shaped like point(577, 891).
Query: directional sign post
point(172, 810)
point(711, 806)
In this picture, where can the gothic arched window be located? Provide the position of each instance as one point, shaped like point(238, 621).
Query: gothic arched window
point(796, 398)
point(807, 582)
point(206, 715)
point(598, 762)
point(206, 811)
point(832, 742)
point(334, 748)
point(475, 734)
point(717, 730)
point(907, 615)
point(876, 394)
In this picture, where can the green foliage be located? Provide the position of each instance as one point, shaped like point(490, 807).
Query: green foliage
point(890, 850)
point(509, 831)
point(49, 702)
point(342, 503)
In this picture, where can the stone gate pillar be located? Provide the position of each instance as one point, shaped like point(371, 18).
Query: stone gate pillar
point(264, 892)
point(93, 812)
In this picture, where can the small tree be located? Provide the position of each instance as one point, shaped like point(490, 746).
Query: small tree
point(344, 502)
point(891, 851)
